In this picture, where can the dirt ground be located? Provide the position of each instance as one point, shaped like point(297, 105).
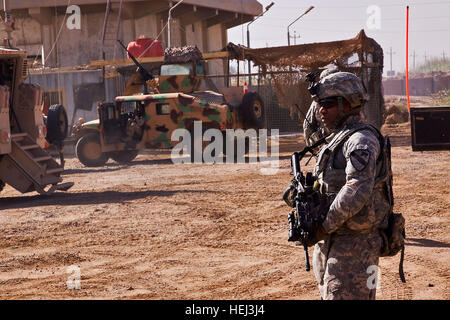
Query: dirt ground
point(155, 230)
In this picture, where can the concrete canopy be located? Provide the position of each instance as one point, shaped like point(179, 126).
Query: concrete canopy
point(248, 7)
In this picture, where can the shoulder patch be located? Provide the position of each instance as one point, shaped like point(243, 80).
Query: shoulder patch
point(360, 158)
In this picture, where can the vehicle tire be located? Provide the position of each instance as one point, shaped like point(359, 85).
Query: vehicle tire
point(57, 124)
point(252, 110)
point(124, 156)
point(89, 151)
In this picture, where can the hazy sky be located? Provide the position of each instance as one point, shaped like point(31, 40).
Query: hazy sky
point(429, 26)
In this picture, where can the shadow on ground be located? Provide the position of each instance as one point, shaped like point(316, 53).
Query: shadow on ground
point(85, 198)
point(421, 242)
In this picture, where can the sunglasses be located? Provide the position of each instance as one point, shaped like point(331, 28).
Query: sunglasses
point(328, 103)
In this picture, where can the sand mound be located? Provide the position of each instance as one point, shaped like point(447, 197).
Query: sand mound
point(396, 114)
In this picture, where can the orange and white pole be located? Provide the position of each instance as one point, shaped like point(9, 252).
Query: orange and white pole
point(245, 87)
point(407, 75)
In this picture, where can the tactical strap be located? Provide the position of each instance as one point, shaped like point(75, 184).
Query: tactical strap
point(402, 257)
point(340, 139)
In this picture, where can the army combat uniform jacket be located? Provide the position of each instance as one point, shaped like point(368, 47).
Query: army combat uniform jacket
point(347, 168)
point(313, 129)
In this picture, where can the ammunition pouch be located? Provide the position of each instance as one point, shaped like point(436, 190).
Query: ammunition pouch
point(393, 236)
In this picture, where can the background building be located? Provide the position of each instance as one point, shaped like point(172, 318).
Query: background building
point(64, 34)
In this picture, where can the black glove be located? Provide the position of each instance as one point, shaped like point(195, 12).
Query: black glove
point(289, 195)
point(316, 232)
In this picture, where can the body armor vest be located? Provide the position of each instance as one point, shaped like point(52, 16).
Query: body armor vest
point(330, 170)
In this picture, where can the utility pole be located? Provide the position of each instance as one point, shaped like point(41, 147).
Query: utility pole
point(4, 9)
point(169, 17)
point(414, 55)
point(426, 62)
point(288, 34)
point(295, 37)
point(248, 39)
point(390, 54)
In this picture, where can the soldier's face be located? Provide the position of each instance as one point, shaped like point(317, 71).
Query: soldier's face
point(329, 110)
point(328, 115)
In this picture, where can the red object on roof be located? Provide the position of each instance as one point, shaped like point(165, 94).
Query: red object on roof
point(137, 47)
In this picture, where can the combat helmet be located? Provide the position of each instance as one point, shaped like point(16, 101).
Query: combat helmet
point(340, 85)
point(330, 69)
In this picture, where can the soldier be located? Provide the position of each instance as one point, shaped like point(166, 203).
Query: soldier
point(347, 254)
point(313, 129)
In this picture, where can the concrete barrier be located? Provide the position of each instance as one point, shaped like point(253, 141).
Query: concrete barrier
point(423, 86)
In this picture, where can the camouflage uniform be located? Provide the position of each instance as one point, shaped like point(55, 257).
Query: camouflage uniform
point(313, 128)
point(347, 169)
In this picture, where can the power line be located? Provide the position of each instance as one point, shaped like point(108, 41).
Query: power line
point(390, 54)
point(365, 6)
point(381, 31)
point(414, 55)
point(364, 18)
point(59, 32)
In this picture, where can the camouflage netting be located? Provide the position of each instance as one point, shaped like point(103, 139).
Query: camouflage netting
point(182, 54)
point(360, 55)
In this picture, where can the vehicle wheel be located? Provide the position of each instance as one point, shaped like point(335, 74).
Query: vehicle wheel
point(124, 156)
point(252, 110)
point(89, 151)
point(57, 124)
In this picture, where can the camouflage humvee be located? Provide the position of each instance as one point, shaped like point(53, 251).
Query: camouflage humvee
point(142, 121)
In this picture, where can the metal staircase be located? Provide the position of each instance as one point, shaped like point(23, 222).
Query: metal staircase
point(31, 168)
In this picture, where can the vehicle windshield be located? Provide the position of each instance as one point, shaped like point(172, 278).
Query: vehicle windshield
point(127, 107)
point(176, 69)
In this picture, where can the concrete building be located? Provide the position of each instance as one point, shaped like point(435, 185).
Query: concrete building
point(69, 33)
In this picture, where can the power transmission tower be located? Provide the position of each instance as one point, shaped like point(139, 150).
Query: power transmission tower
point(390, 54)
point(295, 37)
point(414, 55)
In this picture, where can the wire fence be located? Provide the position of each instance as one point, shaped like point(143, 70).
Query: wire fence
point(277, 117)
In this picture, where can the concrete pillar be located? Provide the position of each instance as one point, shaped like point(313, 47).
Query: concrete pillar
point(161, 20)
point(216, 40)
point(176, 33)
point(129, 33)
point(190, 34)
point(146, 25)
point(48, 36)
point(201, 39)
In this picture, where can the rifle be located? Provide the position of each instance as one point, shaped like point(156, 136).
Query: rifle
point(142, 71)
point(303, 192)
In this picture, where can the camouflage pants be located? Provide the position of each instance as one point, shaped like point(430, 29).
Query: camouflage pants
point(341, 266)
